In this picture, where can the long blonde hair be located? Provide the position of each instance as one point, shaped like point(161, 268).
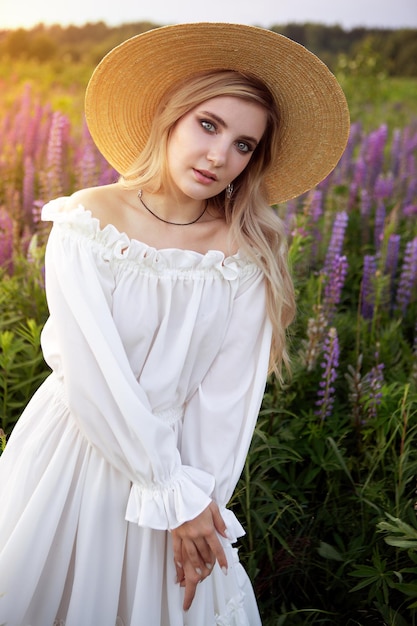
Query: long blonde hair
point(254, 226)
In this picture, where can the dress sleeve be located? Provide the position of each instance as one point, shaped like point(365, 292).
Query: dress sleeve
point(221, 416)
point(104, 397)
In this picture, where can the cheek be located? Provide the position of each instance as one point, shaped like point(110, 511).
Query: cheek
point(181, 144)
point(240, 164)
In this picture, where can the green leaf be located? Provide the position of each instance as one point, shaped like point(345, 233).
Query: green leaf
point(329, 552)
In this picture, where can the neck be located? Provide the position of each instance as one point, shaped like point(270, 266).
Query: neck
point(166, 210)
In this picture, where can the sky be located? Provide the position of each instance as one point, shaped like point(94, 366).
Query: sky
point(266, 13)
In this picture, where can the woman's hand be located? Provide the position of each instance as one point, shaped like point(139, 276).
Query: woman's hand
point(196, 548)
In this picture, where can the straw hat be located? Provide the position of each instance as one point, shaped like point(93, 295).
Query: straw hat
point(129, 82)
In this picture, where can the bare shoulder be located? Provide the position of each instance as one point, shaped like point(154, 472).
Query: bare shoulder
point(94, 199)
point(100, 201)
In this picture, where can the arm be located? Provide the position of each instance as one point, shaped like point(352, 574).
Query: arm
point(218, 427)
point(220, 417)
point(105, 399)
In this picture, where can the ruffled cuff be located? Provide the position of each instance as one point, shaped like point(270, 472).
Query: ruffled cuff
point(167, 506)
point(234, 527)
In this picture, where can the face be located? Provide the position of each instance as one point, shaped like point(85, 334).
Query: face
point(212, 144)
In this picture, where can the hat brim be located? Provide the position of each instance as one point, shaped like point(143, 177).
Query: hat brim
point(130, 81)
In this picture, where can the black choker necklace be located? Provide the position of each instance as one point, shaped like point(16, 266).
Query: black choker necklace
point(166, 221)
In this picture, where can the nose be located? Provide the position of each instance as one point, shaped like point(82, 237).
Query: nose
point(217, 153)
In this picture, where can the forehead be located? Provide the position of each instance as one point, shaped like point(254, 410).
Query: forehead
point(238, 114)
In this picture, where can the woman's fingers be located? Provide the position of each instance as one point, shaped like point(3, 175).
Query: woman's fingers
point(192, 578)
point(178, 559)
point(197, 547)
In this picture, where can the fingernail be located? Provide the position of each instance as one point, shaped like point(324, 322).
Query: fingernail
point(209, 566)
point(198, 570)
point(228, 535)
point(179, 564)
point(224, 570)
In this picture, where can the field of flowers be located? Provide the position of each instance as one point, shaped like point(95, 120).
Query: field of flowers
point(329, 489)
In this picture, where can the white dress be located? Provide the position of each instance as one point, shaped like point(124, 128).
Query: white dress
point(159, 361)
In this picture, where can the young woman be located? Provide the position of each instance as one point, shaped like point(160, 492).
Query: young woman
point(169, 297)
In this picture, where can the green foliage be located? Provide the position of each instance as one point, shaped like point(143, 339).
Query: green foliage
point(87, 44)
point(21, 370)
point(23, 312)
point(318, 495)
point(72, 44)
point(313, 498)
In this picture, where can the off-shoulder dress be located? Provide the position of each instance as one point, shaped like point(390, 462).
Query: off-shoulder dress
point(158, 367)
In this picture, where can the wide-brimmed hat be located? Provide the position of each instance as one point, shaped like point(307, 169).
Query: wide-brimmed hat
point(128, 84)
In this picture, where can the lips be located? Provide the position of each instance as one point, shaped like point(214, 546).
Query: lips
point(205, 176)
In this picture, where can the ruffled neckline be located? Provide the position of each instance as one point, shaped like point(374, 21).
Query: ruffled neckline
point(123, 247)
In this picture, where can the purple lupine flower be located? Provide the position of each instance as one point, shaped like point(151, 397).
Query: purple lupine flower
point(375, 152)
point(354, 380)
point(359, 174)
point(358, 181)
point(379, 225)
point(90, 166)
point(391, 261)
point(366, 203)
point(336, 240)
point(324, 184)
point(86, 166)
point(316, 205)
point(368, 287)
point(353, 194)
point(53, 175)
point(6, 240)
point(384, 187)
point(32, 133)
point(22, 117)
point(334, 285)
point(408, 278)
point(290, 218)
point(312, 346)
point(42, 133)
point(410, 168)
point(28, 188)
point(365, 211)
point(37, 211)
point(411, 191)
point(407, 174)
point(372, 384)
point(411, 143)
point(410, 210)
point(107, 173)
point(329, 365)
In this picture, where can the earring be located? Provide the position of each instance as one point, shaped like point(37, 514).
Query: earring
point(229, 191)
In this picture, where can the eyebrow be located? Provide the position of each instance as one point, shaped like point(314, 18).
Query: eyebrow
point(222, 123)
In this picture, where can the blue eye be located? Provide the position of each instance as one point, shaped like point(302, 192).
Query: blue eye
point(208, 126)
point(242, 146)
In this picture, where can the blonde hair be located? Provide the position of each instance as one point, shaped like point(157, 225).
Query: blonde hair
point(254, 226)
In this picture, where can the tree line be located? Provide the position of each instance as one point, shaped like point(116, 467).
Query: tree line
point(393, 51)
